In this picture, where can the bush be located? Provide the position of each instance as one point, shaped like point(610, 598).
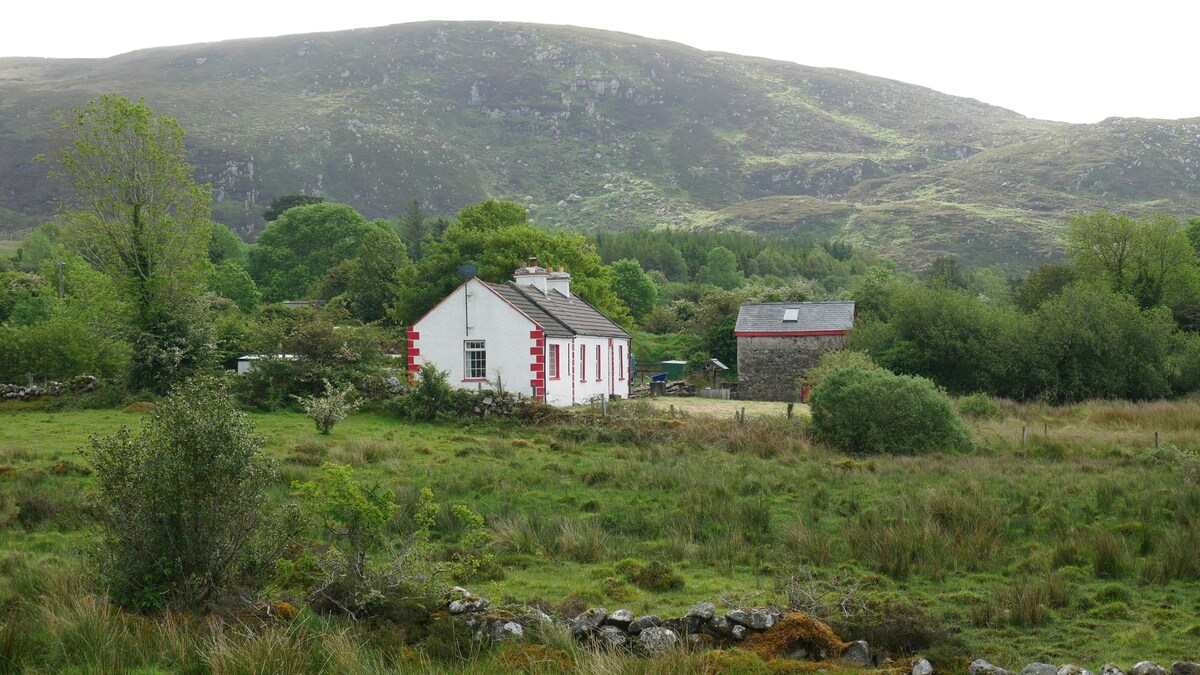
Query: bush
point(876, 411)
point(181, 501)
point(326, 411)
point(978, 406)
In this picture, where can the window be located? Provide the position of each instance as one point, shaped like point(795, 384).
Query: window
point(599, 365)
point(474, 360)
point(620, 362)
point(552, 366)
point(582, 363)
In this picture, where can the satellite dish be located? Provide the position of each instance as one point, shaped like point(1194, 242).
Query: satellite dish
point(467, 270)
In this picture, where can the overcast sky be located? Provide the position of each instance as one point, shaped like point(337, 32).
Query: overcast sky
point(1050, 59)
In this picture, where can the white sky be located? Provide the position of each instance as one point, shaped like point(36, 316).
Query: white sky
point(1062, 60)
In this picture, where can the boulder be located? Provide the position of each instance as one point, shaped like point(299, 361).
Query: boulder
point(739, 616)
point(922, 667)
point(1185, 668)
point(620, 618)
point(1111, 669)
point(587, 623)
point(737, 632)
point(982, 667)
point(719, 627)
point(703, 611)
point(857, 653)
point(648, 621)
point(612, 637)
point(1147, 668)
point(504, 630)
point(1039, 669)
point(761, 619)
point(654, 640)
point(1072, 669)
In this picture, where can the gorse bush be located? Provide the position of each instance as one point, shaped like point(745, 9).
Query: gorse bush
point(181, 501)
point(876, 411)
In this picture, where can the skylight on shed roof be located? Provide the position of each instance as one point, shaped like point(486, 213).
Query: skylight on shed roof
point(791, 314)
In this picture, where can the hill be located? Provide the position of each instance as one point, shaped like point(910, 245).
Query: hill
point(595, 129)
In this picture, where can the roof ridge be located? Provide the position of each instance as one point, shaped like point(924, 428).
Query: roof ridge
point(532, 299)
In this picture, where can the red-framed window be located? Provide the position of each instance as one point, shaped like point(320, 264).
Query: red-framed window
point(620, 362)
point(583, 363)
point(599, 364)
point(552, 362)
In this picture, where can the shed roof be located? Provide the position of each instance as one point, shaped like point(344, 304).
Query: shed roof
point(559, 315)
point(811, 318)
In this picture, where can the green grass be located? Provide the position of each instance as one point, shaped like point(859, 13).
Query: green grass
point(1067, 548)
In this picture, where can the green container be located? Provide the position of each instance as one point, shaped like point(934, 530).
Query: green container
point(675, 370)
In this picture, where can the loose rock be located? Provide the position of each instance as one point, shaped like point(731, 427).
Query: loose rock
point(654, 641)
point(612, 637)
point(620, 618)
point(761, 619)
point(1111, 669)
point(1147, 668)
point(1072, 669)
point(719, 626)
point(982, 667)
point(1039, 669)
point(703, 611)
point(587, 623)
point(737, 632)
point(922, 667)
point(858, 654)
point(649, 621)
point(1185, 668)
point(739, 616)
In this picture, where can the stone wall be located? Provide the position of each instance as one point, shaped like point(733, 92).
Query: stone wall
point(769, 368)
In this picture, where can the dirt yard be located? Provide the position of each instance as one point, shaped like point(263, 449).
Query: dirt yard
point(716, 408)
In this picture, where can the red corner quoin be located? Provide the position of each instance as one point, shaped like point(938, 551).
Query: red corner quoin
point(537, 367)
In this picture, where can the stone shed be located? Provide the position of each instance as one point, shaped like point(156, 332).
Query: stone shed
point(778, 342)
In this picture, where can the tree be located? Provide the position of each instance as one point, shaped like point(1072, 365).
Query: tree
point(226, 246)
point(721, 269)
point(231, 281)
point(182, 501)
point(1143, 258)
point(1043, 283)
point(634, 287)
point(497, 242)
point(144, 222)
point(413, 228)
point(302, 244)
point(375, 275)
point(285, 202)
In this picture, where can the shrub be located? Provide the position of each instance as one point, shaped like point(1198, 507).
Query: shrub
point(838, 359)
point(877, 411)
point(181, 501)
point(978, 406)
point(326, 411)
point(656, 577)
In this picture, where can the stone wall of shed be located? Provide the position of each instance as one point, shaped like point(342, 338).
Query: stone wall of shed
point(769, 368)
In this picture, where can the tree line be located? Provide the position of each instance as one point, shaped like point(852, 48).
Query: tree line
point(154, 291)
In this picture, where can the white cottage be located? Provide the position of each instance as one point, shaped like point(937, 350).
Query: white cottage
point(530, 334)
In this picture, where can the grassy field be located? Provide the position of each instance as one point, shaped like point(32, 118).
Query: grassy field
point(1068, 547)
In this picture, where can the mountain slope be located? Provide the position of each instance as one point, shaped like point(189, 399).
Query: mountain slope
point(598, 129)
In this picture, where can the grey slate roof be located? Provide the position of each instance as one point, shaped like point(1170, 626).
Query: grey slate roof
point(767, 317)
point(559, 316)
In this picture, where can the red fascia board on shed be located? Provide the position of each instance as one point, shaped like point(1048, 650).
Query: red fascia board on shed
point(794, 333)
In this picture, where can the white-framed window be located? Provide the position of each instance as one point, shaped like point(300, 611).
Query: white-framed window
point(599, 365)
point(552, 362)
point(583, 363)
point(474, 360)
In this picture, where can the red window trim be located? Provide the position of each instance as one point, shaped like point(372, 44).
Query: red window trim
point(620, 362)
point(599, 364)
point(583, 363)
point(552, 355)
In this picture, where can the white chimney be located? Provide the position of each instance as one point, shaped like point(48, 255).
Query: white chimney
point(532, 275)
point(559, 281)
